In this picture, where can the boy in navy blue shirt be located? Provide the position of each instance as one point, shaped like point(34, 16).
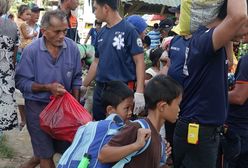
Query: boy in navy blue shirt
point(237, 120)
point(119, 56)
point(199, 63)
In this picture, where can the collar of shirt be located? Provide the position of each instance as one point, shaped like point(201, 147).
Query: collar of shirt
point(43, 45)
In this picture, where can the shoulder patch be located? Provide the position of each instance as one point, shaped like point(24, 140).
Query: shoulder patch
point(139, 42)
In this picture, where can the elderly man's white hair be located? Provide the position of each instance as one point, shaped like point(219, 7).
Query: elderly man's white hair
point(4, 6)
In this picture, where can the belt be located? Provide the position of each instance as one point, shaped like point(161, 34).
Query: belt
point(218, 128)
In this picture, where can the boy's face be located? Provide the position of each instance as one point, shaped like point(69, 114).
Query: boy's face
point(124, 109)
point(171, 111)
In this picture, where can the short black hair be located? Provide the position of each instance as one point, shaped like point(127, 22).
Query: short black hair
point(155, 25)
point(98, 22)
point(147, 40)
point(161, 88)
point(155, 54)
point(113, 4)
point(114, 93)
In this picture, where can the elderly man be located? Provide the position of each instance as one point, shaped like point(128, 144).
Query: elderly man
point(32, 22)
point(49, 66)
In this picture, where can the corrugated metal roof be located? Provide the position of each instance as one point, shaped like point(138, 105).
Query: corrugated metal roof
point(173, 3)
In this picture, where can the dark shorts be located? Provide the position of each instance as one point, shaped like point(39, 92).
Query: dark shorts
point(44, 146)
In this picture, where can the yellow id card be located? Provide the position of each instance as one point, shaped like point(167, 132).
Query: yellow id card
point(193, 132)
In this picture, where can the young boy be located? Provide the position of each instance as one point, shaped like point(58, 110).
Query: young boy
point(118, 98)
point(162, 97)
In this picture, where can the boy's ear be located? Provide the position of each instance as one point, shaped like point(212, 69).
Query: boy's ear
point(109, 109)
point(162, 105)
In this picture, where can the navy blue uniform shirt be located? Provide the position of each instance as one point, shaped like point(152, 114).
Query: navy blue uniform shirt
point(115, 49)
point(238, 114)
point(203, 74)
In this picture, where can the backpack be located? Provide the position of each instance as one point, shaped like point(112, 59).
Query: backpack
point(91, 137)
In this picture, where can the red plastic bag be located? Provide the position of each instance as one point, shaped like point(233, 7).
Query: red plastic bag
point(62, 117)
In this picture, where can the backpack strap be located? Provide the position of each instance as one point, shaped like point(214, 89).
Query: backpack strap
point(143, 123)
point(163, 154)
point(118, 121)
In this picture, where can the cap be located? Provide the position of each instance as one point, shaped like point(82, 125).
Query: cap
point(35, 8)
point(174, 9)
point(138, 22)
point(166, 24)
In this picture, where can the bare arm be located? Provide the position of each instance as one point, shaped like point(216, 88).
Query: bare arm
point(25, 33)
point(229, 53)
point(239, 94)
point(55, 88)
point(86, 39)
point(231, 25)
point(140, 72)
point(111, 154)
point(92, 73)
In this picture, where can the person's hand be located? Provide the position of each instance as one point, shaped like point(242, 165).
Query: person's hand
point(35, 34)
point(142, 135)
point(83, 90)
point(165, 60)
point(168, 149)
point(139, 103)
point(57, 89)
point(242, 34)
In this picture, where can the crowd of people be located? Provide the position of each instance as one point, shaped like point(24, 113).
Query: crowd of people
point(178, 83)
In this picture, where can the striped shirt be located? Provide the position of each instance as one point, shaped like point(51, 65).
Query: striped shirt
point(155, 38)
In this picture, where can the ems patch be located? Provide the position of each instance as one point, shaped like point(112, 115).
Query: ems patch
point(139, 42)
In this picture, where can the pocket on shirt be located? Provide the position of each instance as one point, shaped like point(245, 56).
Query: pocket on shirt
point(68, 71)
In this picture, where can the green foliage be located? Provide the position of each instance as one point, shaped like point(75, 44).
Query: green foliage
point(242, 50)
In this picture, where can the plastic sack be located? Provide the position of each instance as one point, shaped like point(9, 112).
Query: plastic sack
point(87, 52)
point(63, 116)
point(195, 13)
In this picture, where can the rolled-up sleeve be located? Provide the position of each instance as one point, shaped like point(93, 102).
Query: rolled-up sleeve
point(24, 77)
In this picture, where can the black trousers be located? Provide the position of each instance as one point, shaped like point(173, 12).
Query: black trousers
point(201, 155)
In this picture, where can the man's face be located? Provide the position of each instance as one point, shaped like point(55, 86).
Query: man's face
point(35, 16)
point(74, 4)
point(100, 12)
point(163, 33)
point(55, 33)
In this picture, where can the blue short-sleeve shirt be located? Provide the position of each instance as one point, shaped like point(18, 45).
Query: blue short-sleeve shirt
point(37, 65)
point(115, 49)
point(238, 114)
point(93, 35)
point(203, 74)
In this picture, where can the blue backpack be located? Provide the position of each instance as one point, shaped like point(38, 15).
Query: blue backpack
point(91, 137)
